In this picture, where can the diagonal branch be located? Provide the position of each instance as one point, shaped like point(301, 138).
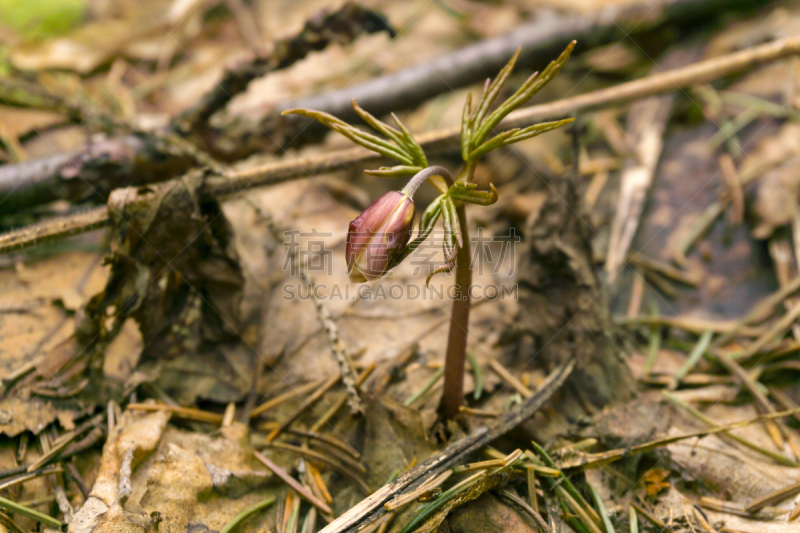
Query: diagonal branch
point(236, 181)
point(371, 508)
point(241, 137)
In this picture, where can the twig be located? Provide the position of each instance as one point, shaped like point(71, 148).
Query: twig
point(283, 171)
point(343, 26)
point(545, 37)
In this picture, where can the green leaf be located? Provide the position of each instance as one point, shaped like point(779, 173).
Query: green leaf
point(451, 224)
point(466, 128)
point(601, 507)
point(413, 146)
point(494, 143)
point(528, 89)
point(394, 172)
point(378, 125)
point(491, 92)
point(369, 141)
point(465, 192)
point(537, 129)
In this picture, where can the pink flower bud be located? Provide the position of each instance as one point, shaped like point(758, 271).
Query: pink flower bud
point(378, 235)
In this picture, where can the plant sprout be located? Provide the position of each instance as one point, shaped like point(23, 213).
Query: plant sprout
point(379, 238)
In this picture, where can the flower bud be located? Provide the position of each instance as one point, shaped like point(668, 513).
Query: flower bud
point(378, 235)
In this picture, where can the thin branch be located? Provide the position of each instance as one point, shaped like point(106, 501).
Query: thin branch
point(242, 137)
point(437, 141)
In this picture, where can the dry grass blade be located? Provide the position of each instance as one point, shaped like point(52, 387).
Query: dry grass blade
point(274, 402)
point(755, 389)
point(772, 498)
point(533, 513)
point(766, 513)
point(181, 412)
point(338, 404)
point(741, 440)
point(316, 395)
point(600, 459)
point(289, 480)
point(761, 310)
point(509, 378)
point(427, 486)
point(702, 520)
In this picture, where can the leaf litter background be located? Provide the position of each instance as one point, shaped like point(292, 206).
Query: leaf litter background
point(89, 345)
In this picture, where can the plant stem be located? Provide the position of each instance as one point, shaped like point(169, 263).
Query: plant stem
point(453, 394)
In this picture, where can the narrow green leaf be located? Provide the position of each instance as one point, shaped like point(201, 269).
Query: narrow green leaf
point(525, 93)
point(425, 387)
point(494, 143)
point(694, 357)
point(369, 141)
point(466, 131)
point(30, 513)
point(413, 146)
point(484, 95)
point(634, 521)
point(477, 375)
point(471, 196)
point(601, 507)
point(494, 89)
point(538, 129)
point(376, 124)
point(394, 172)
